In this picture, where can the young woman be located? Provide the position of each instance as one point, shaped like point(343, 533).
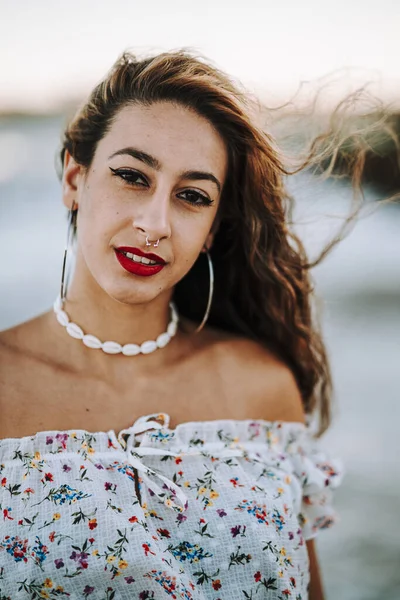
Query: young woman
point(155, 424)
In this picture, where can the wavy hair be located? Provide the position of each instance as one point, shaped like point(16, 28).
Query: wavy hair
point(263, 286)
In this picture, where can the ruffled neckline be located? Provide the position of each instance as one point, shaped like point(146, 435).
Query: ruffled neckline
point(153, 430)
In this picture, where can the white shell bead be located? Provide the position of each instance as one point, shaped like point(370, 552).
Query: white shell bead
point(112, 347)
point(130, 349)
point(163, 340)
point(91, 341)
point(172, 327)
point(62, 318)
point(148, 347)
point(75, 331)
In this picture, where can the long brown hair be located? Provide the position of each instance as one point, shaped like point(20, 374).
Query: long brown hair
point(263, 286)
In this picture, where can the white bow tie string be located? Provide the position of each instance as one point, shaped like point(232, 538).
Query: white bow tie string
point(150, 475)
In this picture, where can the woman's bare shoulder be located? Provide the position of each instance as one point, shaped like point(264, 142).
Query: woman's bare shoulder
point(254, 372)
point(21, 339)
point(21, 355)
point(233, 350)
point(24, 367)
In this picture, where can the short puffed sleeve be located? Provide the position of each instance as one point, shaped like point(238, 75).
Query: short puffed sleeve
point(319, 475)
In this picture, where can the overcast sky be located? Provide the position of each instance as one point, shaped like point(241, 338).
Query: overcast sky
point(51, 50)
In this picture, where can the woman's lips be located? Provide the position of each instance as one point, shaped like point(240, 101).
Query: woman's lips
point(138, 268)
point(140, 252)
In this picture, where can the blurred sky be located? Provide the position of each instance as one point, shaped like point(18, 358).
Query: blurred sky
point(51, 51)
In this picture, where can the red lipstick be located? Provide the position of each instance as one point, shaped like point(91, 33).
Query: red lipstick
point(138, 268)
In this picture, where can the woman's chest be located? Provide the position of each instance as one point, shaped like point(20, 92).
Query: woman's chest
point(82, 516)
point(54, 400)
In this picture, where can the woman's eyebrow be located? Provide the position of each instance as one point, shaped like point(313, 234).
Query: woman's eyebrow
point(149, 160)
point(201, 176)
point(154, 163)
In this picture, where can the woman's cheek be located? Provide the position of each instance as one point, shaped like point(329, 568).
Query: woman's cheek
point(186, 264)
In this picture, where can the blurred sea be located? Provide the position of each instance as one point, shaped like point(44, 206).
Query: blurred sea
point(359, 284)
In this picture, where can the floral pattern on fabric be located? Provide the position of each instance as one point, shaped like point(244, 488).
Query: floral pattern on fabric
point(208, 510)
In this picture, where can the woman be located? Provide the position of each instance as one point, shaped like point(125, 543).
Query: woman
point(155, 424)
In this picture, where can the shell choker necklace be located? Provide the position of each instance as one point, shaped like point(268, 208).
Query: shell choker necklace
point(113, 347)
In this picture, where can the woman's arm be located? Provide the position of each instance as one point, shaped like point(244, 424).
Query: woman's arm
point(315, 591)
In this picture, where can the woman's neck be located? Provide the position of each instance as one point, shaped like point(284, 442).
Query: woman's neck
point(126, 320)
point(109, 319)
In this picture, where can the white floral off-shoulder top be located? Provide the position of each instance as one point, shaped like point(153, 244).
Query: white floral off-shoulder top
point(209, 510)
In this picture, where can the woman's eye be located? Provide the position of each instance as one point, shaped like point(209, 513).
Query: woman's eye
point(129, 176)
point(136, 178)
point(194, 197)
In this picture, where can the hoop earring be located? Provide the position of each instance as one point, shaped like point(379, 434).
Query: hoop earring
point(210, 292)
point(64, 279)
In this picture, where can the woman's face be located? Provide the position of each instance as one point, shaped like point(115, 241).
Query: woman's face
point(158, 172)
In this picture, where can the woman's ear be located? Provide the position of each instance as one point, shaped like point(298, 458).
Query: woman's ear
point(210, 238)
point(209, 241)
point(72, 175)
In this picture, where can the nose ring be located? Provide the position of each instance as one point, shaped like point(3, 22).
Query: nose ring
point(148, 243)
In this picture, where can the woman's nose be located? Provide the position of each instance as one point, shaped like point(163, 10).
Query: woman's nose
point(153, 219)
